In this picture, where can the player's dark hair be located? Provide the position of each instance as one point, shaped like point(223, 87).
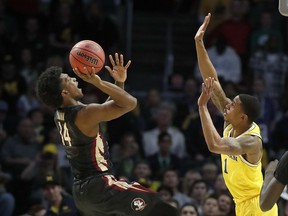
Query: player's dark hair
point(49, 87)
point(251, 106)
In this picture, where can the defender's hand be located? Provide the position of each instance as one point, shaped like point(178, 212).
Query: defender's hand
point(271, 167)
point(207, 89)
point(202, 29)
point(119, 71)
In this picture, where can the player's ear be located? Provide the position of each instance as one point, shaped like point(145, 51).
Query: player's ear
point(244, 117)
point(64, 93)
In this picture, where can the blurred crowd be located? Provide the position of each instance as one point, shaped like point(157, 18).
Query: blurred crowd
point(160, 144)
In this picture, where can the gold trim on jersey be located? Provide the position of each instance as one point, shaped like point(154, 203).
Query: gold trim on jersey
point(248, 163)
point(253, 126)
point(60, 115)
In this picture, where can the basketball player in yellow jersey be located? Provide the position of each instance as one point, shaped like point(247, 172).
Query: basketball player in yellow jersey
point(241, 145)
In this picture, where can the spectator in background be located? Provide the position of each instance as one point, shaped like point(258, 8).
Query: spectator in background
point(210, 206)
point(192, 130)
point(34, 38)
point(3, 122)
point(279, 135)
point(198, 192)
point(165, 192)
point(142, 174)
point(126, 155)
point(131, 122)
point(56, 201)
point(55, 60)
point(163, 159)
point(7, 200)
point(36, 210)
point(55, 146)
point(149, 108)
point(164, 124)
point(268, 110)
point(263, 31)
point(44, 164)
point(210, 172)
point(28, 101)
point(18, 152)
point(105, 29)
point(225, 60)
point(11, 83)
point(171, 179)
point(176, 84)
point(219, 185)
point(37, 119)
point(173, 202)
point(236, 31)
point(226, 204)
point(231, 89)
point(64, 28)
point(271, 65)
point(189, 178)
point(187, 104)
point(188, 210)
point(220, 10)
point(27, 66)
point(8, 30)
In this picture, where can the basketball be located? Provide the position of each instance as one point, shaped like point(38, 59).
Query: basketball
point(87, 53)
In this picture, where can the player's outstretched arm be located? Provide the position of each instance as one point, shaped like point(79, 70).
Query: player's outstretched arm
point(275, 179)
point(210, 133)
point(121, 101)
point(206, 67)
point(216, 144)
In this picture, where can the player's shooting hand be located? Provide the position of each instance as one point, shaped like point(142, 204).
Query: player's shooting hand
point(118, 71)
point(201, 31)
point(207, 89)
point(92, 77)
point(271, 167)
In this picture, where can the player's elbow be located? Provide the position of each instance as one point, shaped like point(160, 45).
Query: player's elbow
point(132, 103)
point(212, 148)
point(265, 205)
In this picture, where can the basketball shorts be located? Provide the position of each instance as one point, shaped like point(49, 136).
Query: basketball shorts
point(251, 207)
point(105, 195)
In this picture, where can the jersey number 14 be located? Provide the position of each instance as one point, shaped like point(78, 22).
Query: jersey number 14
point(64, 132)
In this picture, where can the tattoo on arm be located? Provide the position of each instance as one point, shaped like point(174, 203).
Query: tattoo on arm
point(232, 146)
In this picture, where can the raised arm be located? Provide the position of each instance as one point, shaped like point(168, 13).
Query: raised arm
point(118, 70)
point(275, 179)
point(120, 103)
point(207, 69)
point(216, 144)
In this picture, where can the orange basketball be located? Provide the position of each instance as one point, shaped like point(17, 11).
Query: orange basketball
point(87, 53)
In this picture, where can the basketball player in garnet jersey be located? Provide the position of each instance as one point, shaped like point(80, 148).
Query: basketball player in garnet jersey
point(95, 190)
point(241, 144)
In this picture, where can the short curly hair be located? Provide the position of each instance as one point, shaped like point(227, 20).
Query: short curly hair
point(49, 87)
point(251, 106)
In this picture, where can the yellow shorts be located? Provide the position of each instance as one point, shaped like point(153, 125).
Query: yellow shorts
point(251, 207)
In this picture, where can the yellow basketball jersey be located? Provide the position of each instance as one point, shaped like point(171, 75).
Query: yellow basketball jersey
point(243, 179)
